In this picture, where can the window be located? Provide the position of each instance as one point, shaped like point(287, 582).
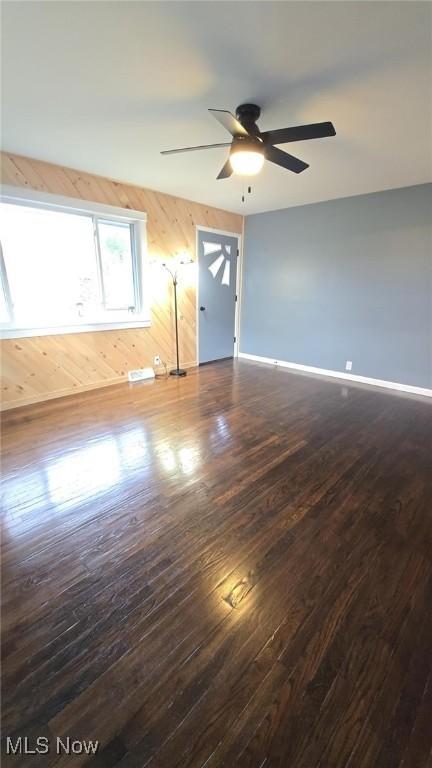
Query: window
point(65, 269)
point(115, 246)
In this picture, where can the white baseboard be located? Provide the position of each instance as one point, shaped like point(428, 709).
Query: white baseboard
point(340, 375)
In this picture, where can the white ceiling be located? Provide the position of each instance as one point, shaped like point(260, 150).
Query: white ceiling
point(104, 86)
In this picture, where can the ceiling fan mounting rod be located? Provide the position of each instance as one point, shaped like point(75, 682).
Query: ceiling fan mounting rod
point(247, 115)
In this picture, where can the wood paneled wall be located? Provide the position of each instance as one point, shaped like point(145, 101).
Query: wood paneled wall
point(43, 367)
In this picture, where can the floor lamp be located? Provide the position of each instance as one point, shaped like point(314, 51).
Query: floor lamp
point(177, 371)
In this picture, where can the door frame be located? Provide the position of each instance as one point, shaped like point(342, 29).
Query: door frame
point(239, 238)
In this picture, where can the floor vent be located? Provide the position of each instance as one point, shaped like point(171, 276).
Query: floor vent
point(141, 373)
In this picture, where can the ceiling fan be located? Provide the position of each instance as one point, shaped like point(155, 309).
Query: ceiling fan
point(250, 147)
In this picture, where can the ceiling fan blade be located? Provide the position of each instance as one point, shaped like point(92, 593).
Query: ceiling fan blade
point(225, 118)
point(285, 160)
point(192, 149)
point(299, 133)
point(226, 171)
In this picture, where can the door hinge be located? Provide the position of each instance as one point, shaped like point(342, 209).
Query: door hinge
point(235, 298)
point(235, 339)
point(238, 252)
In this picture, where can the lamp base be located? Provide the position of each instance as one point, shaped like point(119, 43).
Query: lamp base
point(178, 372)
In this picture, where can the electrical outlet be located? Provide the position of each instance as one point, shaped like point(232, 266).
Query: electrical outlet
point(156, 360)
point(348, 365)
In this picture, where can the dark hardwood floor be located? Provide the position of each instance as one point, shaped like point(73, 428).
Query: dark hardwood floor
point(233, 569)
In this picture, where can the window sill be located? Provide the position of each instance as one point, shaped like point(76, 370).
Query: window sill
point(60, 330)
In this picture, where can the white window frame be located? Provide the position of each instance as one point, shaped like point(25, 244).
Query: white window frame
point(47, 201)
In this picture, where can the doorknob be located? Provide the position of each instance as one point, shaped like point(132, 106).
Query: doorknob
point(202, 309)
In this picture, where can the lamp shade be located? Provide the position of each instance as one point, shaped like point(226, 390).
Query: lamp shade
point(246, 162)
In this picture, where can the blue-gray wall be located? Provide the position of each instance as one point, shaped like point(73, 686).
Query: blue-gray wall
point(347, 279)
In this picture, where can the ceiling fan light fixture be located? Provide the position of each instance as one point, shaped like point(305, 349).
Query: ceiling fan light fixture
point(246, 162)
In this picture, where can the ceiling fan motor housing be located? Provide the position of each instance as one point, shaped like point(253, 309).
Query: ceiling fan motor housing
point(247, 115)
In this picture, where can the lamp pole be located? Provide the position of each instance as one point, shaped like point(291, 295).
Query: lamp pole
point(175, 371)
